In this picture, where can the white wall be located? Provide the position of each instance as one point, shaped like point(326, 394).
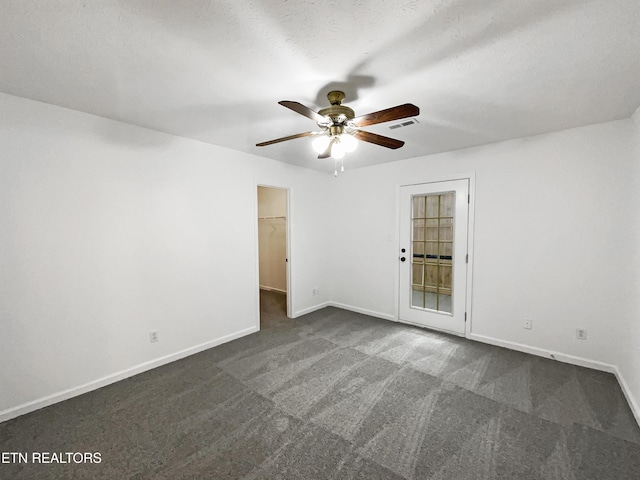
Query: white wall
point(272, 238)
point(109, 231)
point(629, 361)
point(552, 238)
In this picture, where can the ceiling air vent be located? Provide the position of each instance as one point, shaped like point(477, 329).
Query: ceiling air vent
point(404, 123)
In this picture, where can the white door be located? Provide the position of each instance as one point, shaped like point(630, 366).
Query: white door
point(433, 254)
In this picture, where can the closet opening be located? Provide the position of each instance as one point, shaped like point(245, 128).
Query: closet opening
point(273, 248)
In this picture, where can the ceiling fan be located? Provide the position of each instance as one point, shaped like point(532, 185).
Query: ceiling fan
point(340, 128)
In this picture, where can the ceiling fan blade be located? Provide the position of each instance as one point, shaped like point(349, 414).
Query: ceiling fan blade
point(284, 139)
point(306, 111)
point(393, 113)
point(378, 139)
point(327, 151)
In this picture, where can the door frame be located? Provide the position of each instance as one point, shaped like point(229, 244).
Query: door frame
point(471, 177)
point(289, 292)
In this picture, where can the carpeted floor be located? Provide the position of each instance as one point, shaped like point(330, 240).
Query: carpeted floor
point(338, 395)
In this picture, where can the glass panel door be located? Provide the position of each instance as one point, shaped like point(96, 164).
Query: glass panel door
point(434, 219)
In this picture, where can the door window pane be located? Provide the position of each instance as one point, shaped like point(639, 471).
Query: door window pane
point(446, 252)
point(432, 206)
point(431, 277)
point(418, 207)
point(430, 301)
point(431, 229)
point(418, 230)
point(446, 230)
point(417, 275)
point(447, 204)
point(432, 251)
point(444, 280)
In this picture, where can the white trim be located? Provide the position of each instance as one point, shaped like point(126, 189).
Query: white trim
point(543, 352)
point(441, 178)
point(441, 330)
point(116, 377)
point(256, 243)
point(305, 311)
point(471, 230)
point(272, 289)
point(540, 352)
point(571, 359)
point(633, 404)
point(364, 311)
point(289, 280)
point(288, 269)
point(351, 308)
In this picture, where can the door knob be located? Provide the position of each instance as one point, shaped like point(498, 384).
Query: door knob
point(402, 259)
point(403, 250)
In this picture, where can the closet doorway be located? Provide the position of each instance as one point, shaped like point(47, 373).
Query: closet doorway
point(273, 248)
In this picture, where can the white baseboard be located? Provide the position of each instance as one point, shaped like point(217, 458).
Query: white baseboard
point(561, 357)
point(541, 352)
point(571, 359)
point(344, 306)
point(633, 404)
point(305, 311)
point(432, 329)
point(143, 367)
point(116, 377)
point(364, 311)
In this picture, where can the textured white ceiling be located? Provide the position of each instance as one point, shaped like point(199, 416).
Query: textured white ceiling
point(480, 71)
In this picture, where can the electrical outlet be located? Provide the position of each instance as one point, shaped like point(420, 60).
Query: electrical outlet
point(153, 336)
point(581, 333)
point(528, 324)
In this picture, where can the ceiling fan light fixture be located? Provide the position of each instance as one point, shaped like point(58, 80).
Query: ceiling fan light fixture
point(321, 143)
point(338, 150)
point(348, 142)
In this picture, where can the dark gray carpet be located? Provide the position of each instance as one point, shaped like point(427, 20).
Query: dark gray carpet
point(338, 395)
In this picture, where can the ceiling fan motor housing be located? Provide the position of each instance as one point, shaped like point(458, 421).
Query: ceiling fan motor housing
point(336, 130)
point(339, 114)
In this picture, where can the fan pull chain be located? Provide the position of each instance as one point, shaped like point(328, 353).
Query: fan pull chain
point(342, 166)
point(335, 167)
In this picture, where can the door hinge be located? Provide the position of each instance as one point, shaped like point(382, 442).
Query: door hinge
point(469, 198)
point(467, 259)
point(465, 317)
